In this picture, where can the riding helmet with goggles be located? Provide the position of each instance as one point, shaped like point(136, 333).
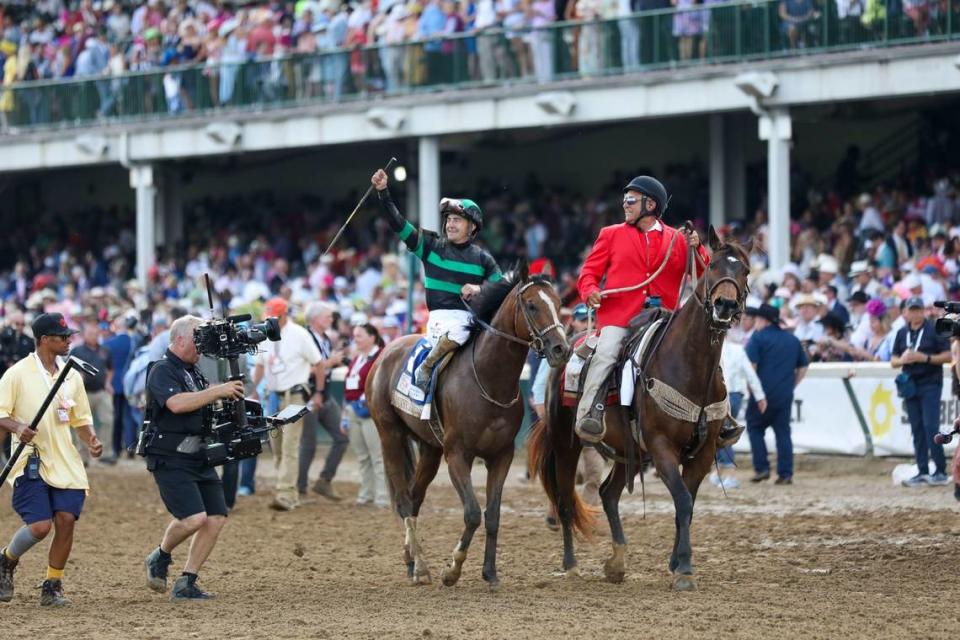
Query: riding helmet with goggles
point(462, 207)
point(652, 188)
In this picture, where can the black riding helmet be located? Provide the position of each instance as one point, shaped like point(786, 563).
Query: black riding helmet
point(652, 188)
point(462, 207)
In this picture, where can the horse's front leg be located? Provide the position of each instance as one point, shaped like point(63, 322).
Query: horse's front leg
point(496, 475)
point(681, 565)
point(610, 492)
point(459, 464)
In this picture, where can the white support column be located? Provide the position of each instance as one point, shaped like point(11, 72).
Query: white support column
point(142, 180)
point(718, 174)
point(776, 129)
point(428, 183)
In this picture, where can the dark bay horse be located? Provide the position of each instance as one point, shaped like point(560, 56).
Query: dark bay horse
point(687, 360)
point(480, 408)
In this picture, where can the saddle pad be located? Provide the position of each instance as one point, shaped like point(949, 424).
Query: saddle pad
point(405, 383)
point(575, 371)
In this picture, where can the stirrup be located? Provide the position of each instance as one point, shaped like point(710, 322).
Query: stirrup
point(590, 428)
point(729, 435)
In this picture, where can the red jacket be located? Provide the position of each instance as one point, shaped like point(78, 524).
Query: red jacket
point(627, 257)
point(356, 392)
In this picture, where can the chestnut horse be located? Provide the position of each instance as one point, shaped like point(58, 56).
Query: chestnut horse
point(687, 359)
point(481, 410)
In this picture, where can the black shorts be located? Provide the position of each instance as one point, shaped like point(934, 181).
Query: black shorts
point(187, 489)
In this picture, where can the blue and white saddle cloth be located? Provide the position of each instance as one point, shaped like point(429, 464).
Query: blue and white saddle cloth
point(407, 397)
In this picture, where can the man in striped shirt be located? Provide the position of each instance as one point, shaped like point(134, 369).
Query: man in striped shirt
point(453, 267)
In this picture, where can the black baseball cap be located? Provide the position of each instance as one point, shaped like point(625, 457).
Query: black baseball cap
point(916, 302)
point(51, 324)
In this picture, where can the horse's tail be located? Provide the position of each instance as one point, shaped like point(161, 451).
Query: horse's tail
point(542, 461)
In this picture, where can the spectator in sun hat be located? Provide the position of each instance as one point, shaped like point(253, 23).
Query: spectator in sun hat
point(861, 278)
point(808, 309)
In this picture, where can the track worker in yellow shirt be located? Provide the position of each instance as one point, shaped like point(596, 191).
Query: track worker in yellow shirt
point(49, 482)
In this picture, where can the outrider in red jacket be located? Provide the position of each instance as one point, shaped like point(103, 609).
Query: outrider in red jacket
point(627, 257)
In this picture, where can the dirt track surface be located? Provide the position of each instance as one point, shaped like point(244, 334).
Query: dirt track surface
point(840, 554)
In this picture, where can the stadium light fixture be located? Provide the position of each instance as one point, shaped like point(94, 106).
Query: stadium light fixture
point(758, 85)
point(92, 145)
point(225, 133)
point(400, 173)
point(387, 119)
point(557, 103)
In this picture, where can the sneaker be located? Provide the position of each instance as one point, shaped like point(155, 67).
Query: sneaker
point(244, 492)
point(956, 492)
point(51, 594)
point(185, 589)
point(760, 477)
point(939, 479)
point(919, 480)
point(783, 480)
point(156, 567)
point(325, 488)
point(7, 568)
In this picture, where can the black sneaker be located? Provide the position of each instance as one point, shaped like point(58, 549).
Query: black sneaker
point(956, 491)
point(156, 567)
point(6, 577)
point(919, 480)
point(185, 589)
point(51, 594)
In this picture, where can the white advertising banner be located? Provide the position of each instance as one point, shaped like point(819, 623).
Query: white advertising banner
point(824, 417)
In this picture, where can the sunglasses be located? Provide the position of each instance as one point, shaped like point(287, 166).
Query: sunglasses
point(630, 200)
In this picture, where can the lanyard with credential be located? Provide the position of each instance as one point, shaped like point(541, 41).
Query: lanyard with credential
point(916, 343)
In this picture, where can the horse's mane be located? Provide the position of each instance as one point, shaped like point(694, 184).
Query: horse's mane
point(492, 295)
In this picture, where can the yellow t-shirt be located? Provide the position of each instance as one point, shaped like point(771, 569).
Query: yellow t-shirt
point(23, 389)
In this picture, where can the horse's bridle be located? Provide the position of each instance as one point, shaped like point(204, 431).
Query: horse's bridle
point(707, 301)
point(536, 342)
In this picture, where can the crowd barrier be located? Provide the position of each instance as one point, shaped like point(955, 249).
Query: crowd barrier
point(853, 409)
point(838, 408)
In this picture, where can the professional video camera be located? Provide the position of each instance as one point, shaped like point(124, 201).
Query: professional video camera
point(233, 429)
point(949, 325)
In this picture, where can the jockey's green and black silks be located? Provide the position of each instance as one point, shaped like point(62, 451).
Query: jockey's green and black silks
point(447, 266)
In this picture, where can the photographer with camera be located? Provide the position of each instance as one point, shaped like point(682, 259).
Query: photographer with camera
point(288, 365)
point(921, 353)
point(190, 489)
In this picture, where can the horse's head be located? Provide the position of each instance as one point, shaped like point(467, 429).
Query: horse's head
point(725, 285)
point(539, 305)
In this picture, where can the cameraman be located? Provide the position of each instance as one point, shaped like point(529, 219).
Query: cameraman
point(922, 353)
point(191, 491)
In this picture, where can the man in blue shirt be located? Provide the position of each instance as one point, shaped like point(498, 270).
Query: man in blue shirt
point(922, 353)
point(781, 363)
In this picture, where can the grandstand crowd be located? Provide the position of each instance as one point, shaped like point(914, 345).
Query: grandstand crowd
point(247, 51)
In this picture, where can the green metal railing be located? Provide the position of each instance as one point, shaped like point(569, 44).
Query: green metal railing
point(710, 33)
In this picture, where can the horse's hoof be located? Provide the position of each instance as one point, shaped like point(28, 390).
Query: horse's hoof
point(449, 578)
point(684, 582)
point(493, 585)
point(572, 572)
point(614, 574)
point(423, 579)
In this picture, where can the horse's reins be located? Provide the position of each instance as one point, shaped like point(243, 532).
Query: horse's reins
point(536, 343)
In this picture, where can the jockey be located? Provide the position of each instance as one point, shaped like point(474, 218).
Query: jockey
point(453, 267)
point(627, 254)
